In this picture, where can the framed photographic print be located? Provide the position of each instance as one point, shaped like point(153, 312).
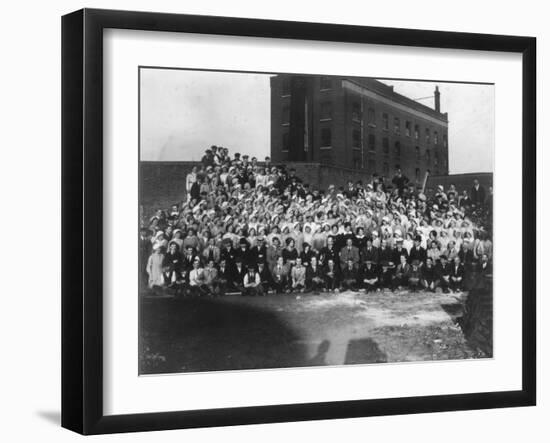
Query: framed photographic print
point(271, 221)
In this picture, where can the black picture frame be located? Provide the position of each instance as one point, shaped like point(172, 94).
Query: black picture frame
point(82, 220)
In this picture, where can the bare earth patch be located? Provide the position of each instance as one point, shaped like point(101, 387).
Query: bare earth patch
point(234, 332)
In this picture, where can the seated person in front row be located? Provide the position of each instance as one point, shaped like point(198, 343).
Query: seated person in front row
point(252, 285)
point(443, 274)
point(225, 277)
point(369, 276)
point(415, 276)
point(401, 278)
point(429, 279)
point(265, 277)
point(314, 276)
point(457, 275)
point(298, 276)
point(332, 278)
point(386, 276)
point(349, 276)
point(211, 278)
point(279, 275)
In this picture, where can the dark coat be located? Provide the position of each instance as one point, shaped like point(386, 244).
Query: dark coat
point(417, 254)
point(372, 254)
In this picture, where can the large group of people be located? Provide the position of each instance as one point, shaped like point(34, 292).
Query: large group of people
point(255, 228)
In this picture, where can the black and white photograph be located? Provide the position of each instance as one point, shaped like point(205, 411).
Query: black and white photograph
point(290, 220)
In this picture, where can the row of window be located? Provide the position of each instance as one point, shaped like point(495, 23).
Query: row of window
point(326, 142)
point(326, 114)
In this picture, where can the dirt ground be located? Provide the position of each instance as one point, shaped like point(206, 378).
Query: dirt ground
point(275, 331)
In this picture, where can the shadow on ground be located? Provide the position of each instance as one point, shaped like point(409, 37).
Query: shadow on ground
point(203, 334)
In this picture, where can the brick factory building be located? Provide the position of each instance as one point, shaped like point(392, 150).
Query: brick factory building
point(358, 124)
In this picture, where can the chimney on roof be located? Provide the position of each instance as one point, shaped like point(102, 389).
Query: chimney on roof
point(437, 96)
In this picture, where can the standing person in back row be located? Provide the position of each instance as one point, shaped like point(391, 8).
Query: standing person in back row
point(400, 181)
point(477, 194)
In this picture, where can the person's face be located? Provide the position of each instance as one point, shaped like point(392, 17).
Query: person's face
point(189, 251)
point(349, 242)
point(172, 248)
point(280, 261)
point(402, 259)
point(476, 182)
point(330, 241)
point(211, 264)
point(485, 258)
point(429, 262)
point(313, 261)
point(457, 260)
point(196, 264)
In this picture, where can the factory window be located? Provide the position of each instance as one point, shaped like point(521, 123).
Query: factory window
point(326, 137)
point(285, 120)
point(285, 141)
point(428, 157)
point(417, 174)
point(285, 88)
point(372, 142)
point(416, 132)
point(356, 163)
point(397, 149)
point(386, 169)
point(326, 111)
point(436, 159)
point(445, 140)
point(417, 152)
point(397, 125)
point(356, 111)
point(385, 145)
point(427, 135)
point(326, 83)
point(436, 138)
point(356, 139)
point(372, 117)
point(408, 129)
point(385, 124)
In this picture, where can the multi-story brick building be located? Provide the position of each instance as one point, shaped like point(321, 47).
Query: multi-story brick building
point(356, 123)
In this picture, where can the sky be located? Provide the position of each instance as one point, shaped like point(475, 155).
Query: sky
point(185, 111)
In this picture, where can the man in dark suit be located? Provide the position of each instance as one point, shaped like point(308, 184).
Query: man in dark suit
point(477, 194)
point(350, 276)
point(456, 275)
point(265, 277)
point(385, 252)
point(442, 273)
point(239, 271)
point(314, 276)
point(259, 252)
point(188, 259)
point(417, 252)
point(329, 252)
point(429, 275)
point(369, 253)
point(228, 253)
point(401, 278)
point(386, 277)
point(415, 276)
point(369, 276)
point(332, 275)
point(244, 253)
point(398, 251)
point(225, 277)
